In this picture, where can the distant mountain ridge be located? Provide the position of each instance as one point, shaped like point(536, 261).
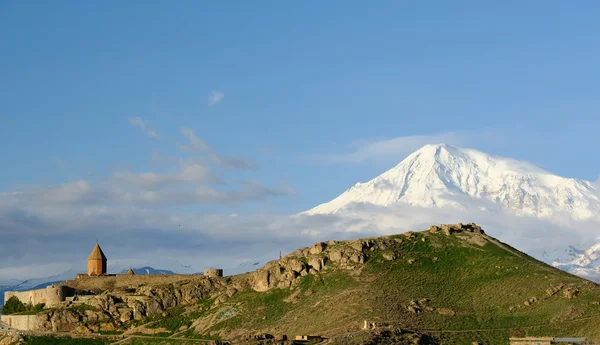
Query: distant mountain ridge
point(147, 270)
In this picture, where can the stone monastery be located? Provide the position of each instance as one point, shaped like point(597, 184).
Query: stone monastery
point(52, 295)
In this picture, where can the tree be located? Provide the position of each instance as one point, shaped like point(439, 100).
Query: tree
point(13, 305)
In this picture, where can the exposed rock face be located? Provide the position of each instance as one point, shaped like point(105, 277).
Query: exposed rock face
point(554, 290)
point(449, 229)
point(288, 270)
point(11, 339)
point(571, 292)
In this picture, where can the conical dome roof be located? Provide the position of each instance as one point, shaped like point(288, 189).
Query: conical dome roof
point(97, 253)
point(130, 272)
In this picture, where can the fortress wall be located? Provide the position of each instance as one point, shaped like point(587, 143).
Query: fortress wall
point(213, 272)
point(51, 295)
point(20, 322)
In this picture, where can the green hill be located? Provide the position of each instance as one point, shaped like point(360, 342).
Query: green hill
point(452, 284)
point(456, 285)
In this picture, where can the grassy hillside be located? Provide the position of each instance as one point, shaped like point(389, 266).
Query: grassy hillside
point(440, 286)
point(458, 289)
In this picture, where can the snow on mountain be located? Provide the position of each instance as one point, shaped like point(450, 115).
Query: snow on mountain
point(446, 176)
point(582, 263)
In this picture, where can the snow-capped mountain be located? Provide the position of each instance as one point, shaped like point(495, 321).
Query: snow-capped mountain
point(147, 270)
point(447, 176)
point(448, 180)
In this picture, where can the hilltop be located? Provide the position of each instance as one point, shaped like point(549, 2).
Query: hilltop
point(451, 284)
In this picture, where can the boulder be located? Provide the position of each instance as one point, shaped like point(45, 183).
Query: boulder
point(317, 248)
point(126, 315)
point(571, 292)
point(358, 245)
point(336, 255)
point(231, 292)
point(81, 329)
point(261, 280)
point(434, 229)
point(389, 256)
point(315, 262)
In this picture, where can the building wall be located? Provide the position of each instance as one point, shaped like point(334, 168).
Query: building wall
point(51, 295)
point(20, 322)
point(96, 267)
point(213, 272)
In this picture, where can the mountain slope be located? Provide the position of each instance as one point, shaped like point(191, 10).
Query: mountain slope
point(447, 176)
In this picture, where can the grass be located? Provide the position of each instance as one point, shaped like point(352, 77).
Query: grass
point(82, 308)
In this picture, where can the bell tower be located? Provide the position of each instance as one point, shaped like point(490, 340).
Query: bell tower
point(96, 262)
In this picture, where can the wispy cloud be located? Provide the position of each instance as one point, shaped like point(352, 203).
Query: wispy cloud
point(215, 97)
point(138, 122)
point(395, 149)
point(197, 144)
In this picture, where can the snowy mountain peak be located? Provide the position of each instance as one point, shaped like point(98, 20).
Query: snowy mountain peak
point(446, 176)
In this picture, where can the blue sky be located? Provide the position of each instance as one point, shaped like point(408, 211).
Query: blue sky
point(295, 81)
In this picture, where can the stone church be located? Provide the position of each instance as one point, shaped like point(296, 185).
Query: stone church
point(97, 262)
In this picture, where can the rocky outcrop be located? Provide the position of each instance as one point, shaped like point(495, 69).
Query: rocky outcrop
point(11, 339)
point(449, 229)
point(288, 270)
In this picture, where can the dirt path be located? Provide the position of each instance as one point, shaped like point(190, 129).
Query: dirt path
point(123, 341)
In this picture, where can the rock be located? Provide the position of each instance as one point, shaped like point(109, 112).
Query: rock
point(231, 292)
point(423, 239)
point(434, 229)
point(336, 255)
point(413, 309)
point(260, 280)
point(411, 261)
point(153, 307)
point(64, 320)
point(571, 292)
point(126, 315)
point(81, 329)
point(389, 256)
point(358, 258)
point(530, 301)
point(554, 290)
point(315, 262)
point(107, 326)
point(435, 259)
point(409, 235)
point(139, 310)
point(358, 245)
point(317, 248)
point(296, 265)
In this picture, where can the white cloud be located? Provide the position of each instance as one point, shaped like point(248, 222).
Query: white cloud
point(197, 144)
point(215, 97)
point(138, 122)
point(396, 149)
point(389, 148)
point(133, 234)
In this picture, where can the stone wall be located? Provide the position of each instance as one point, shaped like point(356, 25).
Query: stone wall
point(213, 272)
point(51, 296)
point(20, 322)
